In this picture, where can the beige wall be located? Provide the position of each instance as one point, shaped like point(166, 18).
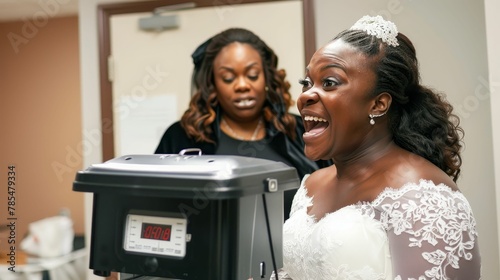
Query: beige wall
point(136, 52)
point(491, 8)
point(40, 120)
point(450, 39)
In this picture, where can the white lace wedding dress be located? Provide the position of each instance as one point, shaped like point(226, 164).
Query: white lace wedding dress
point(420, 231)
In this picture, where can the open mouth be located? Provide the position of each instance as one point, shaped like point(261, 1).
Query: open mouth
point(314, 125)
point(245, 103)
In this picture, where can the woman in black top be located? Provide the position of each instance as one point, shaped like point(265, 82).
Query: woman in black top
point(240, 106)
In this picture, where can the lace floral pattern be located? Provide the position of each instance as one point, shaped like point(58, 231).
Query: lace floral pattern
point(433, 218)
point(420, 231)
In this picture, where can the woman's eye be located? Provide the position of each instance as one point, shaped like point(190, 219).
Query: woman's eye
point(327, 83)
point(228, 79)
point(253, 77)
point(305, 83)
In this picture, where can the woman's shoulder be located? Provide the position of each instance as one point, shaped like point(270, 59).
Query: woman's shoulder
point(319, 178)
point(173, 130)
point(411, 168)
point(175, 127)
point(173, 140)
point(410, 178)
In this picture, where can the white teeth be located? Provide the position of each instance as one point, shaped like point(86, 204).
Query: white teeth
point(245, 102)
point(316, 119)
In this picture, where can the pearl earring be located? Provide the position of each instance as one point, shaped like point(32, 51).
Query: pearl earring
point(372, 121)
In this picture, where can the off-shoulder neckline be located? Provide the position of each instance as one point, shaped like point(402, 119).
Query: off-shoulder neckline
point(422, 184)
point(387, 192)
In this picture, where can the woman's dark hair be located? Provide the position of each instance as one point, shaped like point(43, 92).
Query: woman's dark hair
point(201, 114)
point(420, 120)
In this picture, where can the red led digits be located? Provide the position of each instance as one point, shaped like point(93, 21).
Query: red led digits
point(156, 231)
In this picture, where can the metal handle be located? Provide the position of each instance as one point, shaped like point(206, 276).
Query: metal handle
point(190, 150)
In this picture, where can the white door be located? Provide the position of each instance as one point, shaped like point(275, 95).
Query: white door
point(151, 71)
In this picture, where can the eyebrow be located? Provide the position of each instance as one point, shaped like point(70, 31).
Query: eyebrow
point(246, 67)
point(333, 65)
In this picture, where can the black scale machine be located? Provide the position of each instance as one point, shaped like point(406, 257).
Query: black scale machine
point(179, 216)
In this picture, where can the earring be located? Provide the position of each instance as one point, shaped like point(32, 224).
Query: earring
point(372, 121)
point(266, 88)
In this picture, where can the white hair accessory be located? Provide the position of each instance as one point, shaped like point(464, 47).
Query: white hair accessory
point(379, 27)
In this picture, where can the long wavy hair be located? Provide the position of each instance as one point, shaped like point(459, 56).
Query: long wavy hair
point(203, 108)
point(421, 120)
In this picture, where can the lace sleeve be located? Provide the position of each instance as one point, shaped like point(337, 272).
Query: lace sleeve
point(282, 275)
point(300, 200)
point(431, 231)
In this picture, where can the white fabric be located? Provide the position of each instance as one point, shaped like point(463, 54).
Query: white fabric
point(73, 266)
point(420, 231)
point(49, 237)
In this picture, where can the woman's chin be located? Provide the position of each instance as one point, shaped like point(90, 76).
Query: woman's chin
point(314, 155)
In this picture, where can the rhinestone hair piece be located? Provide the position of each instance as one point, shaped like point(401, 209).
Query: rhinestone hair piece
point(379, 27)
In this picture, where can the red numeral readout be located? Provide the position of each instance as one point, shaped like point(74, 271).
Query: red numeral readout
point(156, 231)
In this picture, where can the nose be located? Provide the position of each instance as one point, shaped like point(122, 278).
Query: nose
point(242, 84)
point(307, 97)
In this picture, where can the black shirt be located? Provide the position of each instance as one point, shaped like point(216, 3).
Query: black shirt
point(257, 149)
point(276, 146)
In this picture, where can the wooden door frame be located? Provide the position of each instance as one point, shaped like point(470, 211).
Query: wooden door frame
point(104, 13)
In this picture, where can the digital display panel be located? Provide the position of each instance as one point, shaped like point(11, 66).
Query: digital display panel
point(156, 231)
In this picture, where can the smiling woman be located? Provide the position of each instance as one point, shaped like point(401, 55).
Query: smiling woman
point(390, 207)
